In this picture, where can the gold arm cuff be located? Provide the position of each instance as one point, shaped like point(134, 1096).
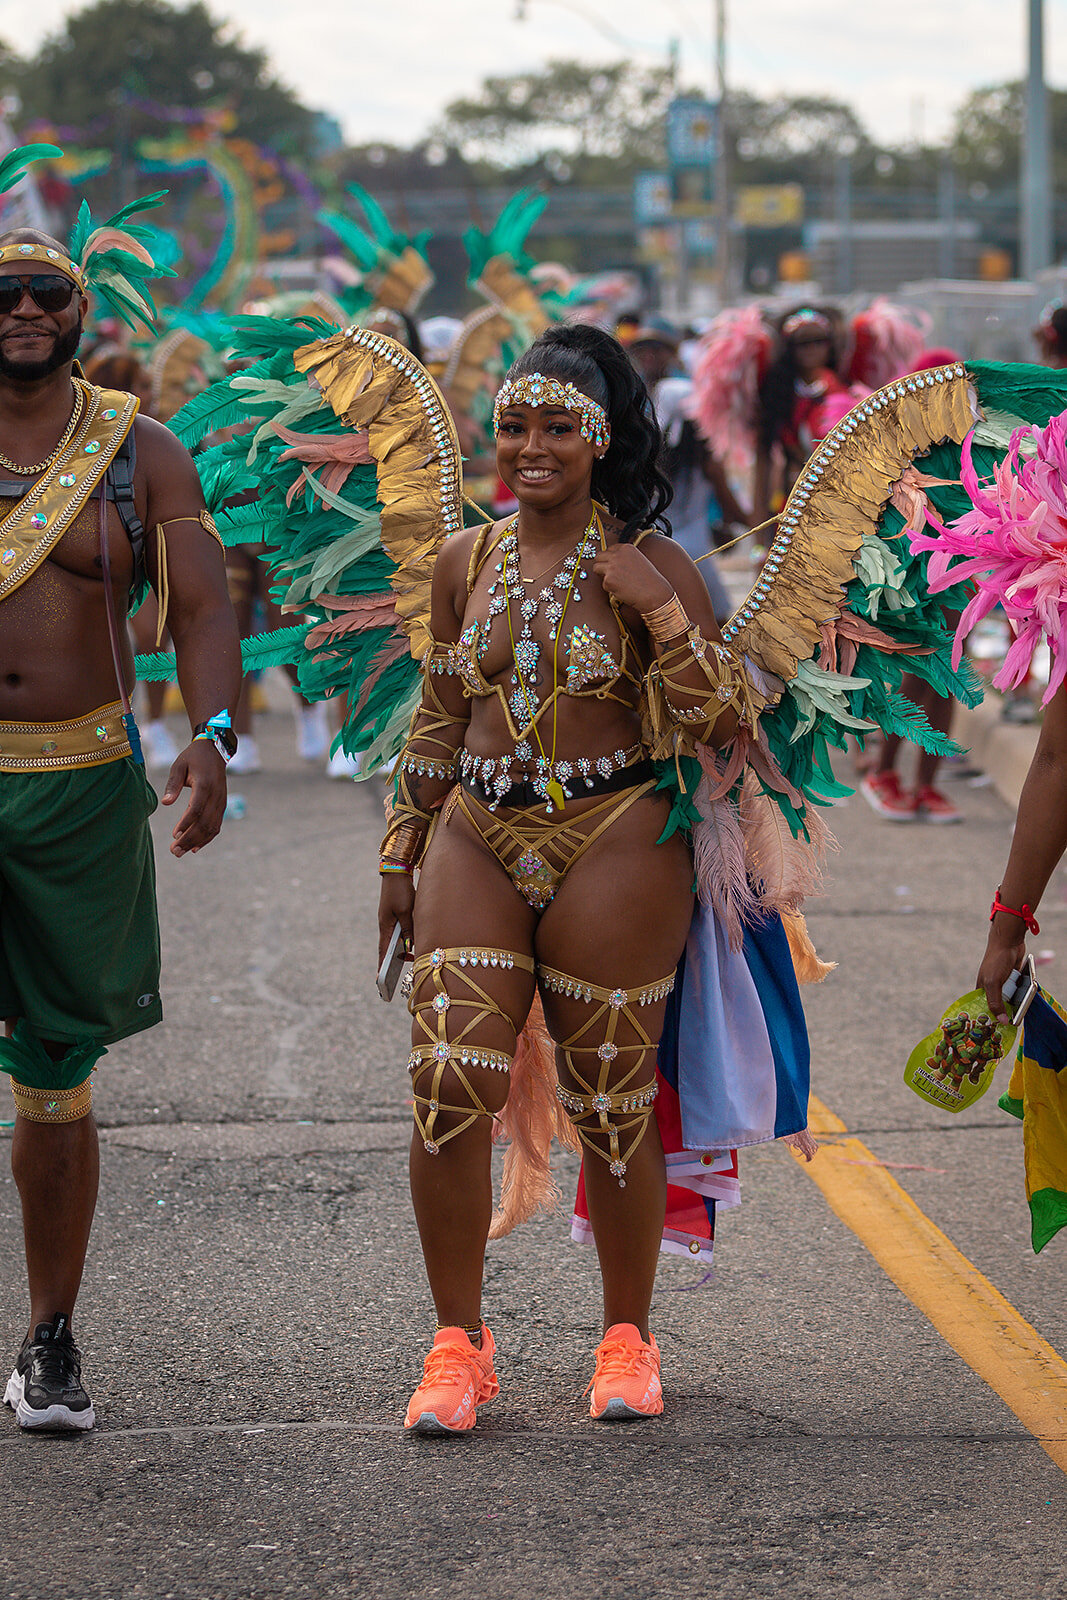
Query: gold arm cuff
point(53, 1105)
point(404, 842)
point(86, 741)
point(667, 621)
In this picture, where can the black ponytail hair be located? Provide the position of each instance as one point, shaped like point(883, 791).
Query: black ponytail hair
point(628, 480)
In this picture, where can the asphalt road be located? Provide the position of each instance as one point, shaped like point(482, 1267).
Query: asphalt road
point(254, 1313)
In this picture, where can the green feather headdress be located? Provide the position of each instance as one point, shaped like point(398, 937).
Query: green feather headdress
point(112, 259)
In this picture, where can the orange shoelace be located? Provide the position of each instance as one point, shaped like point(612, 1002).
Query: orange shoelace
point(617, 1359)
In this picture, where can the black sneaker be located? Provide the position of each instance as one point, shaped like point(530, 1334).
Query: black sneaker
point(45, 1389)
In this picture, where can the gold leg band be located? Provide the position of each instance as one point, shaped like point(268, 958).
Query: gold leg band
point(597, 1038)
point(449, 1043)
point(53, 1105)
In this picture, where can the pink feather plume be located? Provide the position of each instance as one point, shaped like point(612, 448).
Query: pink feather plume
point(733, 354)
point(529, 1120)
point(356, 612)
point(1013, 547)
point(887, 341)
point(336, 453)
point(115, 239)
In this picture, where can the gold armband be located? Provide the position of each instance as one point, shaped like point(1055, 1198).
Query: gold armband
point(725, 687)
point(667, 621)
point(403, 843)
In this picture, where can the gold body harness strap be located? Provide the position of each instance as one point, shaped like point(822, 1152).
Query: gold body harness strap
point(626, 1106)
point(451, 1046)
point(536, 852)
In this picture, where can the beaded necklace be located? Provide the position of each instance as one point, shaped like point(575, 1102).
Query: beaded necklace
point(509, 584)
point(526, 651)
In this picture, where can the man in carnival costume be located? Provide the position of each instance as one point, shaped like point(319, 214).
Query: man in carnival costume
point(81, 480)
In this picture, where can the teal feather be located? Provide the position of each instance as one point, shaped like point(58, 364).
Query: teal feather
point(14, 164)
point(382, 229)
point(508, 234)
point(354, 238)
point(83, 223)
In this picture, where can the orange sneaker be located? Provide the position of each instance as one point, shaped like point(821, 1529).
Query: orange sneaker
point(457, 1378)
point(626, 1381)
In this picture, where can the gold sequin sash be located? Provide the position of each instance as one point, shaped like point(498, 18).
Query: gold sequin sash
point(32, 529)
point(86, 741)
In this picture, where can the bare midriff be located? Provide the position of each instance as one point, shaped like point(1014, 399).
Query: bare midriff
point(55, 654)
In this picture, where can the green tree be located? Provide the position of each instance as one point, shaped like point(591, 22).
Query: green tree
point(571, 113)
point(116, 52)
point(792, 138)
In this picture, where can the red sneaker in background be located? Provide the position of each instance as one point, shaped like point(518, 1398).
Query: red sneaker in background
point(933, 806)
point(883, 793)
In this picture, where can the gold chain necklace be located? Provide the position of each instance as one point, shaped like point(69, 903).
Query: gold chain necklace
point(42, 466)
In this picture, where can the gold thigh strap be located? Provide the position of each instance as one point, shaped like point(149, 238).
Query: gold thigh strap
point(53, 1105)
point(86, 741)
point(448, 1045)
point(627, 1105)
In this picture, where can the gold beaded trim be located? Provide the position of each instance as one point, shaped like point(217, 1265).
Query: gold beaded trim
point(44, 253)
point(53, 1105)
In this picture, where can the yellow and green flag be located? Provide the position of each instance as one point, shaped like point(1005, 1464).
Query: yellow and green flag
point(1037, 1095)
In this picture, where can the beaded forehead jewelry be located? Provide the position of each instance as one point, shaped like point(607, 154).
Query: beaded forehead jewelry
point(806, 318)
point(534, 389)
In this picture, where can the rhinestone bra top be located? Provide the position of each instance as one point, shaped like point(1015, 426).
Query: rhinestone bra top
point(589, 669)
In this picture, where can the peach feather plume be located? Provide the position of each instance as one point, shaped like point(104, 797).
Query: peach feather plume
point(530, 1120)
point(102, 239)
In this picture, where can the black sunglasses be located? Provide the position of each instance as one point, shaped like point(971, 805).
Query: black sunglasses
point(48, 291)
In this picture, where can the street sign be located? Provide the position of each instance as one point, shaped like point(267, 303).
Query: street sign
point(769, 205)
point(692, 132)
point(652, 198)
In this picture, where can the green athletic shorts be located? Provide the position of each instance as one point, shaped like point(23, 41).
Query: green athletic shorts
point(79, 935)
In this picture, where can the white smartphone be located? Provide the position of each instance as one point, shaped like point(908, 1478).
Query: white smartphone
point(392, 966)
point(1020, 990)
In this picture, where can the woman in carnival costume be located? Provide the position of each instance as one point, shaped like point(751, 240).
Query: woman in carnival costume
point(569, 647)
point(581, 747)
point(793, 398)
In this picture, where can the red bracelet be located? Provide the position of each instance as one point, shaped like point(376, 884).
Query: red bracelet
point(1025, 915)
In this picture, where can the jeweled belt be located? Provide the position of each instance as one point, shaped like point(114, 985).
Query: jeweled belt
point(86, 741)
point(496, 781)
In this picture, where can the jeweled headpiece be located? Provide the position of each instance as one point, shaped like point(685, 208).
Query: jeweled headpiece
point(534, 389)
point(112, 259)
point(807, 317)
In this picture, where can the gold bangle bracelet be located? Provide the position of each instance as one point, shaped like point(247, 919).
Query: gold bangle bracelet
point(404, 844)
point(667, 621)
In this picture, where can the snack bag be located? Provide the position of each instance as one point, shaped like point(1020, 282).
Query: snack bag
point(954, 1066)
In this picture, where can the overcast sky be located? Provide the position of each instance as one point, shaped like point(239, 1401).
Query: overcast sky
point(385, 69)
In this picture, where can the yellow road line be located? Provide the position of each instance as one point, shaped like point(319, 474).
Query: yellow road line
point(969, 1314)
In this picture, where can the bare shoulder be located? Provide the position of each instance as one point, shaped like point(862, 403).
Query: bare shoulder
point(163, 463)
point(668, 557)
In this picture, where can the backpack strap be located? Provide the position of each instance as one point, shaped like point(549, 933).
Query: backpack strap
point(120, 489)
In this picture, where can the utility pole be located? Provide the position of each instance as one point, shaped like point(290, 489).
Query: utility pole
point(722, 175)
point(845, 273)
point(1035, 186)
point(946, 207)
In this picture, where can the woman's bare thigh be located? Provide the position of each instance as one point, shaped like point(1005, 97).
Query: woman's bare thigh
point(466, 900)
point(620, 918)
